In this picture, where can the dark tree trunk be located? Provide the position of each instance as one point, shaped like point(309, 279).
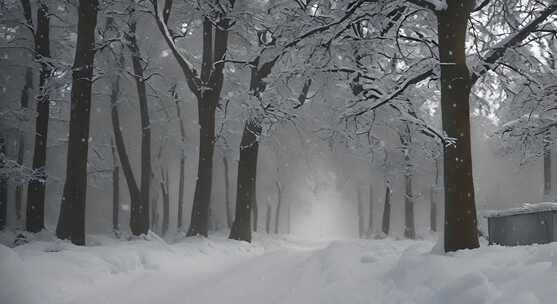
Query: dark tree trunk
point(547, 146)
point(361, 216)
point(71, 223)
point(247, 172)
point(36, 186)
point(255, 210)
point(24, 103)
point(182, 162)
point(409, 227)
point(370, 213)
point(387, 211)
point(139, 217)
point(165, 203)
point(202, 196)
point(460, 209)
point(166, 10)
point(154, 213)
point(212, 75)
point(115, 191)
point(433, 200)
point(279, 206)
point(135, 194)
point(268, 219)
point(3, 186)
point(229, 214)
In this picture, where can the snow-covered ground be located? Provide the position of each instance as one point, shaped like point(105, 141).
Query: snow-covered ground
point(274, 269)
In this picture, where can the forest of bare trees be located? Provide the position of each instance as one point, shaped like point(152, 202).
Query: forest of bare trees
point(183, 99)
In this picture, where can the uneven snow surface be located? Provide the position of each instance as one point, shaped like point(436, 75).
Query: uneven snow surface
point(275, 269)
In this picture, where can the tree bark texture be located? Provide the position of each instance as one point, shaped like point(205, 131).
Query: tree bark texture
point(460, 208)
point(247, 170)
point(71, 222)
point(36, 188)
point(24, 104)
point(215, 42)
point(139, 217)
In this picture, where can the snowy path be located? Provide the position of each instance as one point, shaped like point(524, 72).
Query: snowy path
point(275, 270)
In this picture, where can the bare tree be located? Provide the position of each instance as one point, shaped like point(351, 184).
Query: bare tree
point(36, 186)
point(207, 88)
point(71, 222)
point(24, 103)
point(139, 217)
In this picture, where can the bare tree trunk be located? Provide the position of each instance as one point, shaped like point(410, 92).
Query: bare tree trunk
point(212, 75)
point(36, 186)
point(71, 222)
point(135, 194)
point(433, 200)
point(547, 146)
point(409, 227)
point(229, 218)
point(255, 211)
point(370, 213)
point(247, 170)
point(139, 217)
point(3, 186)
point(361, 217)
point(24, 103)
point(202, 197)
point(279, 206)
point(268, 219)
point(165, 202)
point(154, 214)
point(115, 191)
point(387, 211)
point(182, 161)
point(460, 209)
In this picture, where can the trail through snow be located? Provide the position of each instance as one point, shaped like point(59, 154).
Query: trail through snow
point(275, 269)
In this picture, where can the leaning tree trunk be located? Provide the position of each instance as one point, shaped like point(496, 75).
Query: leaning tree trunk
point(24, 103)
point(134, 192)
point(385, 225)
point(460, 208)
point(36, 187)
point(71, 223)
point(247, 173)
point(547, 146)
point(139, 217)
